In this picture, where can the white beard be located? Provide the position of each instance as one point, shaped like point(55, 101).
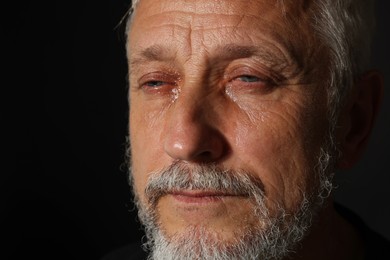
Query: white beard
point(274, 237)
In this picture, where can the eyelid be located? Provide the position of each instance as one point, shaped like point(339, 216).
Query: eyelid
point(260, 73)
point(250, 78)
point(236, 73)
point(158, 76)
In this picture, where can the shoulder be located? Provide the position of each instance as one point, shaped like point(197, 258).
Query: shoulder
point(128, 252)
point(376, 246)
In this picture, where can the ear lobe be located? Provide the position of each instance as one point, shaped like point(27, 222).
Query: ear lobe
point(359, 116)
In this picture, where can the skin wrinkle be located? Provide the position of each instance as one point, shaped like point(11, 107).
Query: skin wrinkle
point(188, 18)
point(288, 121)
point(237, 26)
point(280, 190)
point(274, 43)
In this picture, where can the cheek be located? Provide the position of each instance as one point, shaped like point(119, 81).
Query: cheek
point(272, 136)
point(146, 147)
point(280, 148)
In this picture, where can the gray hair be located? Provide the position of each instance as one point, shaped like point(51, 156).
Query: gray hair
point(346, 27)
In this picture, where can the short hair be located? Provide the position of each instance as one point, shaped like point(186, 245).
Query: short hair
point(346, 27)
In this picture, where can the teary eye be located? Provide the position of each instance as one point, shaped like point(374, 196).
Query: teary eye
point(154, 84)
point(245, 80)
point(158, 83)
point(249, 78)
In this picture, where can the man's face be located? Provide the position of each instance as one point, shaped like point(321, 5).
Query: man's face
point(239, 85)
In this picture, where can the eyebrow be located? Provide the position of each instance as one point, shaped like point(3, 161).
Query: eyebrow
point(234, 51)
point(155, 52)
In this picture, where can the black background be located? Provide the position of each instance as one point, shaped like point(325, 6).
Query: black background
point(63, 127)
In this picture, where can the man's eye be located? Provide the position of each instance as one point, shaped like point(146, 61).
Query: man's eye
point(154, 84)
point(159, 85)
point(249, 79)
point(157, 82)
point(249, 83)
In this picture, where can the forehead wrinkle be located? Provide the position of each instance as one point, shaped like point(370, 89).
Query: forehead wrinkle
point(200, 7)
point(270, 43)
point(196, 21)
point(184, 25)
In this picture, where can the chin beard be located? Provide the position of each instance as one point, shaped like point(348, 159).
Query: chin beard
point(275, 235)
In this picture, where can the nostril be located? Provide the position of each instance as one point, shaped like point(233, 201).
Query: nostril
point(205, 156)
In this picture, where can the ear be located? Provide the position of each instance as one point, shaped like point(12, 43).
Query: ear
point(358, 116)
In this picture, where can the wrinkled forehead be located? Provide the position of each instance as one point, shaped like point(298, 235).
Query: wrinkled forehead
point(257, 8)
point(215, 5)
point(196, 26)
point(287, 16)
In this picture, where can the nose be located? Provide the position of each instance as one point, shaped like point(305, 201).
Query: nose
point(192, 132)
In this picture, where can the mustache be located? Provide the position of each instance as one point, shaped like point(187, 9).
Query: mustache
point(180, 176)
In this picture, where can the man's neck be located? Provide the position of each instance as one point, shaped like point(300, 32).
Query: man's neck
point(332, 237)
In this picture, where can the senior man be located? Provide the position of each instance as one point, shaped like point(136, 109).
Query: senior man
point(240, 113)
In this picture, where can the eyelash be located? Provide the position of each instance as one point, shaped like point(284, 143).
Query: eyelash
point(252, 79)
point(248, 79)
point(153, 83)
